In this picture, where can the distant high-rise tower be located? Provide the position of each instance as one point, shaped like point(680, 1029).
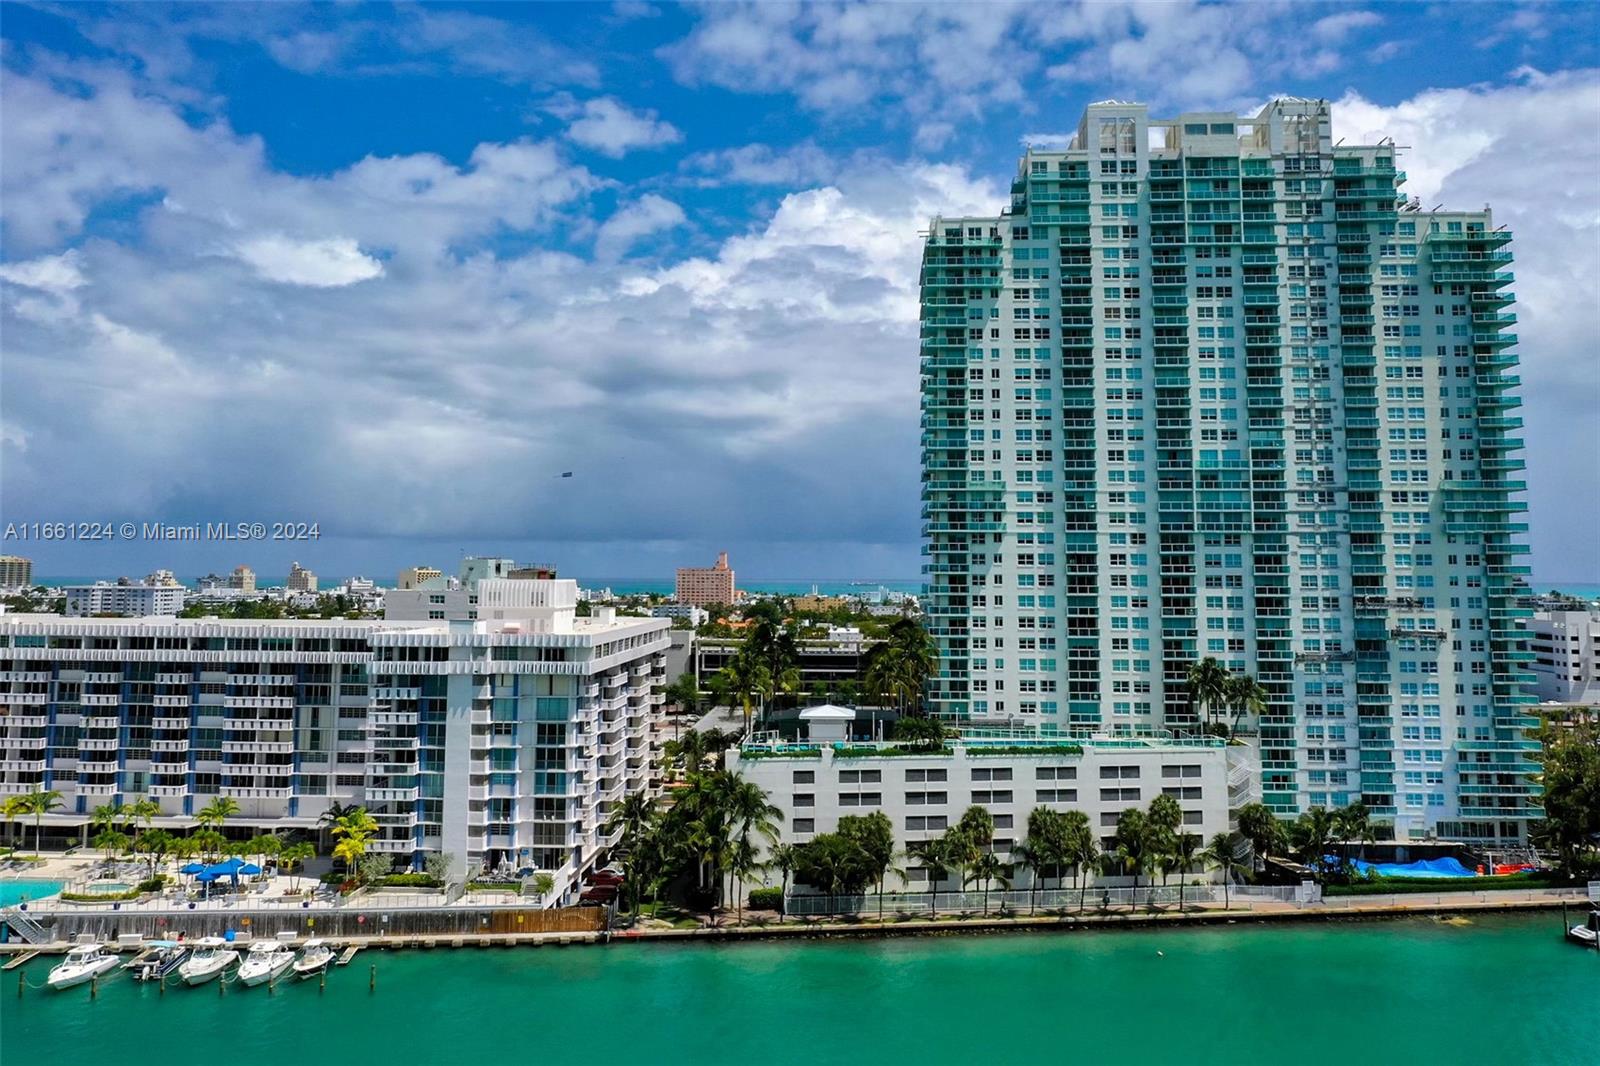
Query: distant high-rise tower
point(705, 585)
point(1212, 387)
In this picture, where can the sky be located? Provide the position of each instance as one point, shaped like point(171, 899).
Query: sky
point(394, 270)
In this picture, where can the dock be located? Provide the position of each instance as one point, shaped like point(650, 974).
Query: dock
point(20, 960)
point(347, 954)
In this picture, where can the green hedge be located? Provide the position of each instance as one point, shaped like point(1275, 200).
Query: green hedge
point(787, 753)
point(153, 884)
point(410, 881)
point(494, 886)
point(766, 899)
point(1024, 749)
point(894, 752)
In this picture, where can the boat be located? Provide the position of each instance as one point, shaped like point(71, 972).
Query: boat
point(156, 961)
point(84, 962)
point(1587, 934)
point(264, 961)
point(314, 958)
point(211, 957)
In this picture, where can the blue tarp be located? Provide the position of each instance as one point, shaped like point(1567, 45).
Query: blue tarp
point(1441, 868)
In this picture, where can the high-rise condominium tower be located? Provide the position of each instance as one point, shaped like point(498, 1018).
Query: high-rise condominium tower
point(1212, 387)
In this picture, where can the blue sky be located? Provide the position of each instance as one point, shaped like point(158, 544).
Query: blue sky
point(392, 269)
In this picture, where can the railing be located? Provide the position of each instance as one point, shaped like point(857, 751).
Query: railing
point(26, 927)
point(1094, 897)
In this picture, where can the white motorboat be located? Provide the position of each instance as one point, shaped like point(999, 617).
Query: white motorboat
point(82, 963)
point(158, 960)
point(264, 961)
point(211, 957)
point(314, 957)
point(1587, 934)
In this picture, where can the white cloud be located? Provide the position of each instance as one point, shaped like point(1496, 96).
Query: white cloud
point(323, 264)
point(762, 164)
point(55, 274)
point(649, 214)
point(1336, 28)
point(611, 128)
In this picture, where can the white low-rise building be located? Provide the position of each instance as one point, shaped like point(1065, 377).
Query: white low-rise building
point(500, 742)
point(695, 616)
point(1566, 655)
point(123, 598)
point(815, 783)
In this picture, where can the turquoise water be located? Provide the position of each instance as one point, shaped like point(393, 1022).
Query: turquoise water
point(1414, 991)
point(16, 891)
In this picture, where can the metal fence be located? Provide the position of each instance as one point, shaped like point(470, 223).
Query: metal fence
point(376, 920)
point(1014, 901)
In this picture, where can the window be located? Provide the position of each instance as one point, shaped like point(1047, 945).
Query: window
point(865, 777)
point(805, 825)
point(1112, 773)
point(926, 775)
point(1056, 773)
point(805, 799)
point(861, 799)
point(1056, 795)
point(1180, 771)
point(1188, 792)
point(805, 777)
point(992, 774)
point(920, 799)
point(934, 823)
point(1119, 795)
point(998, 796)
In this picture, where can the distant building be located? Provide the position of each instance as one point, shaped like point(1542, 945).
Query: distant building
point(243, 578)
point(832, 661)
point(1566, 656)
point(123, 598)
point(300, 579)
point(162, 579)
point(814, 602)
point(15, 572)
point(433, 604)
point(478, 568)
point(705, 585)
point(360, 586)
point(420, 577)
point(533, 573)
point(696, 616)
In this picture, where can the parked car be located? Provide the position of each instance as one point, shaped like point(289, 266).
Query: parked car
point(599, 894)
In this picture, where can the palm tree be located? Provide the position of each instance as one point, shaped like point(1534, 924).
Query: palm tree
point(783, 859)
point(1207, 687)
point(15, 809)
point(873, 834)
point(355, 821)
point(208, 843)
point(106, 817)
point(635, 816)
point(1164, 821)
point(1262, 829)
point(1133, 846)
point(751, 814)
point(1245, 695)
point(898, 668)
point(294, 856)
point(990, 869)
point(112, 842)
point(1224, 854)
point(1043, 849)
point(932, 855)
point(335, 811)
point(1352, 823)
point(350, 849)
point(746, 677)
point(1183, 856)
point(41, 803)
point(142, 811)
point(1032, 856)
point(1312, 832)
point(155, 843)
point(217, 812)
point(263, 846)
point(1081, 848)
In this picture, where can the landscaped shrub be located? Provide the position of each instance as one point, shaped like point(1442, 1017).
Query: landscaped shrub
point(101, 897)
point(153, 884)
point(1384, 886)
point(410, 881)
point(766, 899)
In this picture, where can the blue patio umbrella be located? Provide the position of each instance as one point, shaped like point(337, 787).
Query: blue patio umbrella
point(249, 869)
point(192, 868)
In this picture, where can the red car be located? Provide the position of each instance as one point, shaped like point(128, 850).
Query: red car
point(604, 877)
point(599, 894)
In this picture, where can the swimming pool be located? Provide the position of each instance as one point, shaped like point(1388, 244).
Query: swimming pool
point(12, 892)
point(106, 888)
